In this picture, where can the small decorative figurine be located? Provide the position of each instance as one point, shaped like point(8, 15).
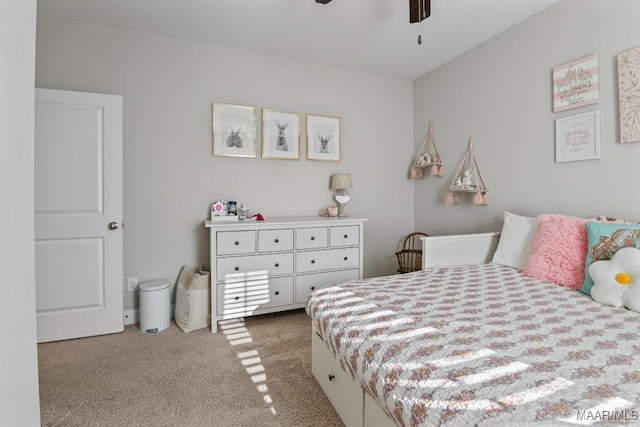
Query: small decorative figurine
point(468, 179)
point(428, 156)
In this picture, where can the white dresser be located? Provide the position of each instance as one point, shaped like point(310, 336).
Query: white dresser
point(260, 267)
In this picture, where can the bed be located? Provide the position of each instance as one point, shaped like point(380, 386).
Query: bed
point(469, 342)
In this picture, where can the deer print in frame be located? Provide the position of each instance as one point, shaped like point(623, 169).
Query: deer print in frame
point(280, 135)
point(281, 143)
point(323, 138)
point(324, 143)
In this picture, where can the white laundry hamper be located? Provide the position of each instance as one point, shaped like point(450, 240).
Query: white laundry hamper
point(155, 306)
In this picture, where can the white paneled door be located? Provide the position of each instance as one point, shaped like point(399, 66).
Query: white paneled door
point(78, 214)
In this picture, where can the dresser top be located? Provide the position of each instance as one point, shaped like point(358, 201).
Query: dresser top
point(300, 220)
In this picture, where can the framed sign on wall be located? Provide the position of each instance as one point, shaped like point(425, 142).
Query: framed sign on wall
point(575, 84)
point(578, 137)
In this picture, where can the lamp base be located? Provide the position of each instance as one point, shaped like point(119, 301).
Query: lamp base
point(341, 212)
point(341, 199)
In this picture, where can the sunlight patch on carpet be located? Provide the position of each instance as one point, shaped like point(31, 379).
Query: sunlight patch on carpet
point(237, 334)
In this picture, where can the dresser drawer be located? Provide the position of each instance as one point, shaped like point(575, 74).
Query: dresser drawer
point(236, 242)
point(275, 240)
point(249, 267)
point(311, 238)
point(310, 282)
point(329, 259)
point(348, 235)
point(243, 298)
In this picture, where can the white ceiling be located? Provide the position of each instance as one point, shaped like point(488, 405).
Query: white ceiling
point(367, 35)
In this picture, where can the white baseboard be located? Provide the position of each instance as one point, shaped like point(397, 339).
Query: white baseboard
point(131, 316)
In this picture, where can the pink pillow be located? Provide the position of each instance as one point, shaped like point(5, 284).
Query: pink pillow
point(559, 250)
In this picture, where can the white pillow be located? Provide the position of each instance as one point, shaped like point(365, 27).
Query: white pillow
point(516, 239)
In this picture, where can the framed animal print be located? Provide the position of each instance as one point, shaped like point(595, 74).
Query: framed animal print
point(280, 135)
point(323, 138)
point(234, 130)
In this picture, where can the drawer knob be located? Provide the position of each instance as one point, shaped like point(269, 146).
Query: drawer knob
point(236, 243)
point(313, 237)
point(237, 298)
point(332, 377)
point(345, 236)
point(237, 268)
point(313, 261)
point(277, 264)
point(345, 258)
point(277, 240)
point(277, 292)
point(313, 288)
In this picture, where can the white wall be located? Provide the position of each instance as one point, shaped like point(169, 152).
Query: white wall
point(501, 94)
point(170, 176)
point(19, 404)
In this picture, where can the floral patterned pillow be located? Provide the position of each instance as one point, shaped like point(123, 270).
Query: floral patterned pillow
point(603, 241)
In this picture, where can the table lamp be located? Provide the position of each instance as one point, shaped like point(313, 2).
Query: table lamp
point(340, 183)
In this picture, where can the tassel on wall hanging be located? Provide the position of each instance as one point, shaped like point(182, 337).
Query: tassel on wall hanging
point(468, 179)
point(428, 156)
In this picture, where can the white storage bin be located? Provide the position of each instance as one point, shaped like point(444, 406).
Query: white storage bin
point(155, 306)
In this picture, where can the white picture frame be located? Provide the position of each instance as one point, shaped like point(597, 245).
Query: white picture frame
point(323, 138)
point(578, 137)
point(280, 135)
point(234, 130)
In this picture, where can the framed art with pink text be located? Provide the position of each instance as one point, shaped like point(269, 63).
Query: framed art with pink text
point(575, 84)
point(578, 137)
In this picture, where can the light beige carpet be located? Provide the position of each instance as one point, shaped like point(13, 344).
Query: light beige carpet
point(252, 373)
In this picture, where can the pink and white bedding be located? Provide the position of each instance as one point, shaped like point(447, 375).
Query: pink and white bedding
point(483, 345)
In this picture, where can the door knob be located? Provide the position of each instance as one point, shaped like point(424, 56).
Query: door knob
point(113, 225)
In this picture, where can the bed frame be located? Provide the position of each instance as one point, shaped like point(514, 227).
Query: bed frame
point(355, 407)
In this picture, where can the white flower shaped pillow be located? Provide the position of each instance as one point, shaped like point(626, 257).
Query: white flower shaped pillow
point(616, 282)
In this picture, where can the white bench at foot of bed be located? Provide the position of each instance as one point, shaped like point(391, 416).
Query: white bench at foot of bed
point(356, 407)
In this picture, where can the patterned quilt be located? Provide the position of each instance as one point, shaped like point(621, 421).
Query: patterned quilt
point(483, 345)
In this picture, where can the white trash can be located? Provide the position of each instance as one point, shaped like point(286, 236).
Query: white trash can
point(155, 306)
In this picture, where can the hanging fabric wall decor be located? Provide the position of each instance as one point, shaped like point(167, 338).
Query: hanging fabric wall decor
point(428, 156)
point(468, 179)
